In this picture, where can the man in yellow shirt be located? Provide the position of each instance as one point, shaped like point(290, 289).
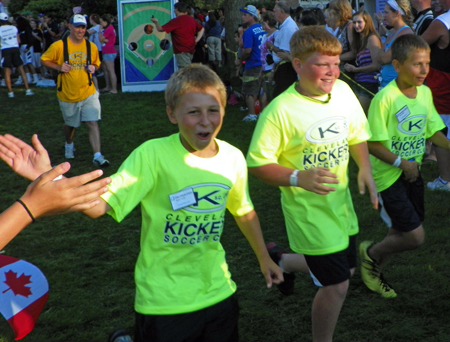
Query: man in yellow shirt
point(78, 98)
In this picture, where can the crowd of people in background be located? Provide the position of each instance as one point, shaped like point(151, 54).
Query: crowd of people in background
point(38, 31)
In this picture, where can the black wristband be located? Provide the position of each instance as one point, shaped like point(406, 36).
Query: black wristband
point(26, 208)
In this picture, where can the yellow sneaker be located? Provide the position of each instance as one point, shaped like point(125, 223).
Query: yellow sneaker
point(371, 275)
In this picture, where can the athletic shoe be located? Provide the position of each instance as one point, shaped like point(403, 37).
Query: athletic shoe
point(69, 152)
point(19, 81)
point(250, 117)
point(101, 161)
point(120, 335)
point(244, 108)
point(35, 78)
point(275, 253)
point(3, 83)
point(11, 94)
point(371, 275)
point(29, 92)
point(438, 185)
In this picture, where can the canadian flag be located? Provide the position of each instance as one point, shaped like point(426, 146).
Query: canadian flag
point(23, 294)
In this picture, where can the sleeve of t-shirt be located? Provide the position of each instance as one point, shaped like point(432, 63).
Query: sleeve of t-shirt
point(247, 38)
point(198, 26)
point(359, 129)
point(130, 184)
point(265, 146)
point(169, 26)
point(53, 53)
point(95, 60)
point(378, 117)
point(239, 202)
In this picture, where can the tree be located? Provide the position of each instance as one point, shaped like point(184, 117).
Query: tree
point(232, 20)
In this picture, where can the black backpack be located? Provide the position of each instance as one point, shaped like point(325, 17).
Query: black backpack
point(66, 60)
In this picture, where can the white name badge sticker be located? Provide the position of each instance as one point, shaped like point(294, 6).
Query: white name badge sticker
point(182, 199)
point(402, 114)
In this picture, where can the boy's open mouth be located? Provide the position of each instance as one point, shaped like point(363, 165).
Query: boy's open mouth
point(203, 135)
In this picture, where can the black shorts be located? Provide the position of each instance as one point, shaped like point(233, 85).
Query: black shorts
point(11, 58)
point(332, 269)
point(215, 323)
point(402, 205)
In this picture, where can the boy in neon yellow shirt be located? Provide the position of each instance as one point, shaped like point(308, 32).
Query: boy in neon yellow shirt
point(183, 184)
point(302, 143)
point(402, 116)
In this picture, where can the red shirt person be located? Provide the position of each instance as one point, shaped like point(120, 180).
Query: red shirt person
point(186, 32)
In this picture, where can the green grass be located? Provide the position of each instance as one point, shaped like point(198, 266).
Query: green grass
point(89, 263)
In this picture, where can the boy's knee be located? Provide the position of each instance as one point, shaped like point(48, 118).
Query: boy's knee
point(416, 237)
point(338, 290)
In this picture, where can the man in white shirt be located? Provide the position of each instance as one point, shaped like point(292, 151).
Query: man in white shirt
point(285, 74)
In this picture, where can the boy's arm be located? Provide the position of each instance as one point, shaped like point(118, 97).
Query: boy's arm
point(45, 197)
point(360, 155)
point(312, 179)
point(251, 228)
point(410, 168)
point(440, 140)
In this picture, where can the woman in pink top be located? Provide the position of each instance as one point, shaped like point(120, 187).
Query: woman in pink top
point(108, 37)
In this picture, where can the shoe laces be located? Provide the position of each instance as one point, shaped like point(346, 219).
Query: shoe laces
point(372, 267)
point(384, 284)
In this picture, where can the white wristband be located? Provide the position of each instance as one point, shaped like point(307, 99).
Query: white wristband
point(397, 162)
point(293, 179)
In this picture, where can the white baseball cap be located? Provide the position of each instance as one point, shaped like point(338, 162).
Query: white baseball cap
point(78, 20)
point(4, 16)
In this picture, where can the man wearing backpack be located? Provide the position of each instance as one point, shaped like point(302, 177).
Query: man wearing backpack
point(76, 59)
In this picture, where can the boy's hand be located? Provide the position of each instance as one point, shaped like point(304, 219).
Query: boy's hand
point(314, 179)
point(45, 197)
point(272, 272)
point(410, 170)
point(365, 179)
point(25, 160)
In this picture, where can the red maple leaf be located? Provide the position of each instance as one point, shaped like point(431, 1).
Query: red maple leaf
point(17, 284)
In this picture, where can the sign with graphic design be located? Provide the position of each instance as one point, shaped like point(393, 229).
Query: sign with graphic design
point(23, 294)
point(147, 59)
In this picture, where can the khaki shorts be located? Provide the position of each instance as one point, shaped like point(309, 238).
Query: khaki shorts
point(74, 113)
point(183, 59)
point(252, 87)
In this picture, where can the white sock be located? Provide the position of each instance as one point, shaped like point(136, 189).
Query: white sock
point(69, 145)
point(97, 154)
point(28, 77)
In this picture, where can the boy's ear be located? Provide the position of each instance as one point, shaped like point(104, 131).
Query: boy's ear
point(297, 64)
point(171, 115)
point(396, 64)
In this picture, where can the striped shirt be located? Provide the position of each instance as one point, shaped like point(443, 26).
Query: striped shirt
point(363, 58)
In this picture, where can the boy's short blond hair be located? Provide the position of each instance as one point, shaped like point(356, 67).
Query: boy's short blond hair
point(405, 45)
point(311, 39)
point(194, 76)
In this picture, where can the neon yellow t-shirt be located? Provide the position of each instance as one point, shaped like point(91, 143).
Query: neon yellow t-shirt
point(402, 125)
point(298, 132)
point(75, 84)
point(181, 266)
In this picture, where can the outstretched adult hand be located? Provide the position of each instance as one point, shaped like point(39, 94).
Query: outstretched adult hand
point(27, 161)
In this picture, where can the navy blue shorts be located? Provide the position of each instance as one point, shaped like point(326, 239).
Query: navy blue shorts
point(402, 205)
point(333, 268)
point(218, 323)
